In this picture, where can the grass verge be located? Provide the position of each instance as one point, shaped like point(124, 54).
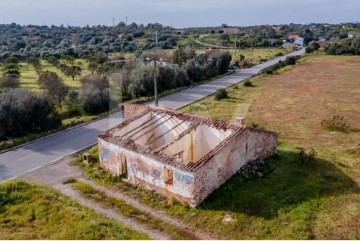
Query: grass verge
point(29, 211)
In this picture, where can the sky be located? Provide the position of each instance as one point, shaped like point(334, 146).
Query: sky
point(178, 13)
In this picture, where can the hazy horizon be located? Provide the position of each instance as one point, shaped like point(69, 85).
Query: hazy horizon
point(177, 13)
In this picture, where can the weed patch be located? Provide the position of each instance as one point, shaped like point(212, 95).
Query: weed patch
point(336, 123)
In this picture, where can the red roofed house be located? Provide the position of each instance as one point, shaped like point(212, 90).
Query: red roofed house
point(293, 37)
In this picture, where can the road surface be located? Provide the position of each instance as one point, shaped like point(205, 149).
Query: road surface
point(25, 159)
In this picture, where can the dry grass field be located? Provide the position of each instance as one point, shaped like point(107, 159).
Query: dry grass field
point(318, 200)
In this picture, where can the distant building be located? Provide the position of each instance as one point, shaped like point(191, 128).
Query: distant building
point(231, 30)
point(298, 42)
point(292, 37)
point(276, 29)
point(179, 31)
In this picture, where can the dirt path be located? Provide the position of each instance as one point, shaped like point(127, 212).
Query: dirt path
point(54, 175)
point(153, 234)
point(155, 213)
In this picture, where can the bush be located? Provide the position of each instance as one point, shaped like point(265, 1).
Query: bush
point(336, 123)
point(194, 71)
point(221, 94)
point(69, 180)
point(94, 101)
point(309, 157)
point(291, 60)
point(222, 62)
point(9, 82)
point(308, 50)
point(269, 71)
point(22, 111)
point(248, 83)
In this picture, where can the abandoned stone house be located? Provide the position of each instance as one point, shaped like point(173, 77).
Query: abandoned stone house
point(180, 155)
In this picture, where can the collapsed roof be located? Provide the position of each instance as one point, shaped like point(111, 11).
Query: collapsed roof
point(178, 139)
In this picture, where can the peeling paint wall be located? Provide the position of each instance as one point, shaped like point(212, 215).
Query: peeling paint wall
point(147, 172)
point(248, 146)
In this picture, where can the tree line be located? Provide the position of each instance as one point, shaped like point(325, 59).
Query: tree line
point(23, 111)
point(348, 46)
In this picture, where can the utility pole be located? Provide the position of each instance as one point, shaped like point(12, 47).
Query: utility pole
point(126, 21)
point(252, 49)
point(235, 46)
point(155, 85)
point(113, 21)
point(156, 34)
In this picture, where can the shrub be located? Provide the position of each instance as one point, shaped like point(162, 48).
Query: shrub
point(269, 71)
point(221, 94)
point(336, 123)
point(308, 50)
point(93, 101)
point(22, 111)
point(9, 82)
point(222, 62)
point(248, 83)
point(291, 60)
point(69, 180)
point(309, 157)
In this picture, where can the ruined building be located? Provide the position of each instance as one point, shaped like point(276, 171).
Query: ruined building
point(180, 155)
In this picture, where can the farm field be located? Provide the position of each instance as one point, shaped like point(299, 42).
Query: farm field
point(31, 211)
point(28, 76)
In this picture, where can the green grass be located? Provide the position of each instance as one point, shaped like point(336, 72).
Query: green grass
point(28, 77)
point(237, 104)
point(29, 211)
point(282, 204)
point(130, 212)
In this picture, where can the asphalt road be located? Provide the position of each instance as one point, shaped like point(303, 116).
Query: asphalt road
point(25, 159)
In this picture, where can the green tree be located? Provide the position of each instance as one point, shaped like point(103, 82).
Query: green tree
point(22, 111)
point(181, 55)
point(11, 70)
point(73, 71)
point(222, 62)
point(54, 87)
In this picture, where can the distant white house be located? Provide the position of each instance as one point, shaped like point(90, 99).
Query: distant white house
point(298, 42)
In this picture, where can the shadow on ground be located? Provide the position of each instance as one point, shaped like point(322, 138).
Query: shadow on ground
point(285, 184)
